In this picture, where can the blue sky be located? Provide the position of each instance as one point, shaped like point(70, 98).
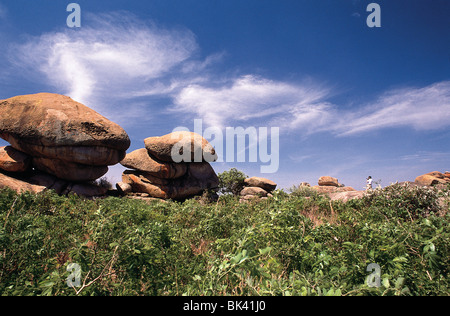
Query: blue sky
point(350, 101)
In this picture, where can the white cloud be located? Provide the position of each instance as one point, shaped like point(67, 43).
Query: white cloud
point(303, 107)
point(112, 56)
point(115, 58)
point(426, 108)
point(249, 98)
point(427, 156)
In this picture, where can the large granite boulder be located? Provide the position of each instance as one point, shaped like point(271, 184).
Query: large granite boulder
point(54, 126)
point(58, 144)
point(328, 182)
point(181, 147)
point(141, 160)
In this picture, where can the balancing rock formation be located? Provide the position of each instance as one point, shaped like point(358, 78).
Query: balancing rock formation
point(327, 185)
point(256, 187)
point(175, 166)
point(334, 190)
point(57, 143)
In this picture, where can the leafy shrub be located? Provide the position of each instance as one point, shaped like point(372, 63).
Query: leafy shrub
point(231, 182)
point(274, 247)
point(303, 191)
point(404, 201)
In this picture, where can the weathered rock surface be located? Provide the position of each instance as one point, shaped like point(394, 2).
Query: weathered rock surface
point(181, 147)
point(328, 181)
point(199, 177)
point(18, 185)
point(124, 188)
point(432, 178)
point(141, 160)
point(54, 126)
point(68, 142)
point(12, 160)
point(329, 185)
point(68, 170)
point(262, 183)
point(255, 191)
point(36, 182)
point(174, 166)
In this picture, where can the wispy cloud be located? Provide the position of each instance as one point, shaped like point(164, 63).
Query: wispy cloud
point(111, 56)
point(116, 58)
point(427, 156)
point(304, 107)
point(426, 108)
point(251, 98)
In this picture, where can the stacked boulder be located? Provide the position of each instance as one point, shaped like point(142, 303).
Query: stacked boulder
point(257, 188)
point(336, 191)
point(328, 185)
point(57, 143)
point(175, 166)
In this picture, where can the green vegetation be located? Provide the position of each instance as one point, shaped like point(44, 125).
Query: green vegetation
point(231, 182)
point(290, 244)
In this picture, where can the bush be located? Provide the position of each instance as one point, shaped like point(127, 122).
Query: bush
point(231, 182)
point(404, 201)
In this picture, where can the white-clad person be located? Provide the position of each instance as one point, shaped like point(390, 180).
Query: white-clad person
point(369, 183)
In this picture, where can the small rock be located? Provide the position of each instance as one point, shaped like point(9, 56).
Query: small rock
point(254, 191)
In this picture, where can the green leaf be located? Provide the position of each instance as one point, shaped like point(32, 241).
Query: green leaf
point(400, 259)
point(265, 250)
point(386, 283)
point(399, 283)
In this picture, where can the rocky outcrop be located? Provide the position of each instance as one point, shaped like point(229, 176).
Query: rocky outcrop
point(36, 182)
point(53, 135)
point(328, 182)
point(257, 188)
point(329, 185)
point(433, 178)
point(155, 173)
point(56, 128)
